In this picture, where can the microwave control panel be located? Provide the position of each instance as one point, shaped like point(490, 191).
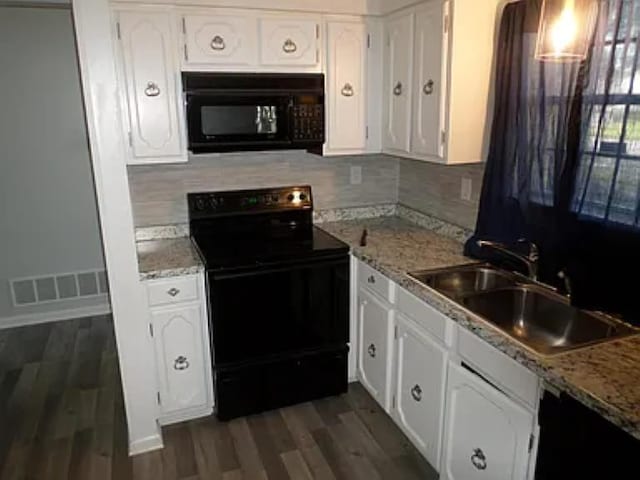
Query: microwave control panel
point(308, 123)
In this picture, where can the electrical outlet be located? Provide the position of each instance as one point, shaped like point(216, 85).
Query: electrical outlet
point(356, 175)
point(466, 189)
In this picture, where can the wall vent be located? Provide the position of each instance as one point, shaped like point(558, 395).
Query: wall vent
point(57, 288)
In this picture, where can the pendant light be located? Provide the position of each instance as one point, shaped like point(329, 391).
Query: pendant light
point(565, 30)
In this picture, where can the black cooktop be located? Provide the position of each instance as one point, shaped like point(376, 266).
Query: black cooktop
point(231, 253)
point(254, 228)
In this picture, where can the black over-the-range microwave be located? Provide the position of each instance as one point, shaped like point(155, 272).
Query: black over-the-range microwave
point(229, 112)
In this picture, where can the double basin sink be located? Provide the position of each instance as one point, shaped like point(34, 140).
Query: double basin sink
point(533, 315)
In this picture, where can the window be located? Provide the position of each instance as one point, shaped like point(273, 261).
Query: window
point(608, 182)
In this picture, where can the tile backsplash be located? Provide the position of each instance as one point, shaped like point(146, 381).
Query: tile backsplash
point(436, 190)
point(159, 192)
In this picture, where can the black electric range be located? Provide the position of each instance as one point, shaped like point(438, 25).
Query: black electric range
point(278, 298)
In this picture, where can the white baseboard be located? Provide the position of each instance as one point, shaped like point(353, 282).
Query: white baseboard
point(54, 316)
point(145, 445)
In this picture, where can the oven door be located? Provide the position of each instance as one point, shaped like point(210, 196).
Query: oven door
point(269, 312)
point(219, 122)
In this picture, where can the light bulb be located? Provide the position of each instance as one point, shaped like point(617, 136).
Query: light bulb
point(565, 29)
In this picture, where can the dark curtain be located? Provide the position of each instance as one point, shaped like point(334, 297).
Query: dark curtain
point(561, 170)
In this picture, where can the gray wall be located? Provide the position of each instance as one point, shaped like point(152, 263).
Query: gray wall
point(158, 192)
point(435, 189)
point(48, 215)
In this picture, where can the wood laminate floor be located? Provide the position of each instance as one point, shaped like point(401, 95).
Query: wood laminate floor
point(62, 417)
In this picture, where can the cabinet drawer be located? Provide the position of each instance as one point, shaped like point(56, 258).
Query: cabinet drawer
point(172, 290)
point(426, 316)
point(504, 372)
point(376, 282)
point(285, 41)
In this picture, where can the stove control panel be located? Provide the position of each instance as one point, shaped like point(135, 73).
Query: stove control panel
point(249, 201)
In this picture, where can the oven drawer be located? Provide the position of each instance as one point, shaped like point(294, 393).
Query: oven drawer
point(249, 389)
point(172, 290)
point(376, 282)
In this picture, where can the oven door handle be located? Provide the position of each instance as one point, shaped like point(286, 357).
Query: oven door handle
point(269, 268)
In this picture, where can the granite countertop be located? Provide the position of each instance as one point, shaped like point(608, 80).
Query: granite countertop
point(605, 377)
point(168, 258)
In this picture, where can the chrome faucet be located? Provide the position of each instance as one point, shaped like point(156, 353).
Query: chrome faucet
point(530, 261)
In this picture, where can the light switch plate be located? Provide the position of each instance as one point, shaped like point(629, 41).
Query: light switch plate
point(466, 189)
point(356, 175)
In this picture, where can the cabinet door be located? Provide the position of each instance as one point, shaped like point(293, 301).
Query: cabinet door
point(427, 125)
point(220, 39)
point(178, 335)
point(347, 53)
point(374, 354)
point(151, 77)
point(291, 42)
point(420, 388)
point(487, 434)
point(399, 59)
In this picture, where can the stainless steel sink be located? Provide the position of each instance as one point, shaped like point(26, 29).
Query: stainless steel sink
point(543, 320)
point(458, 281)
point(533, 315)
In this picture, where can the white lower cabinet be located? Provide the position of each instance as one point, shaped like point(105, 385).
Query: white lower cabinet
point(487, 435)
point(183, 362)
point(375, 333)
point(469, 409)
point(421, 365)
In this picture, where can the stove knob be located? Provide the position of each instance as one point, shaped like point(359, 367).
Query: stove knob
point(213, 203)
point(291, 197)
point(200, 205)
point(303, 197)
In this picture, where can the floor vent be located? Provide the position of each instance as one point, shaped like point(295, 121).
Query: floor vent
point(57, 288)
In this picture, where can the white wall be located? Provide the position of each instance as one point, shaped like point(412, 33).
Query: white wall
point(48, 214)
point(107, 144)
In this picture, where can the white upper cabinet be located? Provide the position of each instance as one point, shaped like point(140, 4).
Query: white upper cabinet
point(487, 435)
point(447, 47)
point(289, 41)
point(397, 86)
point(429, 80)
point(150, 86)
point(219, 38)
point(346, 87)
point(421, 365)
